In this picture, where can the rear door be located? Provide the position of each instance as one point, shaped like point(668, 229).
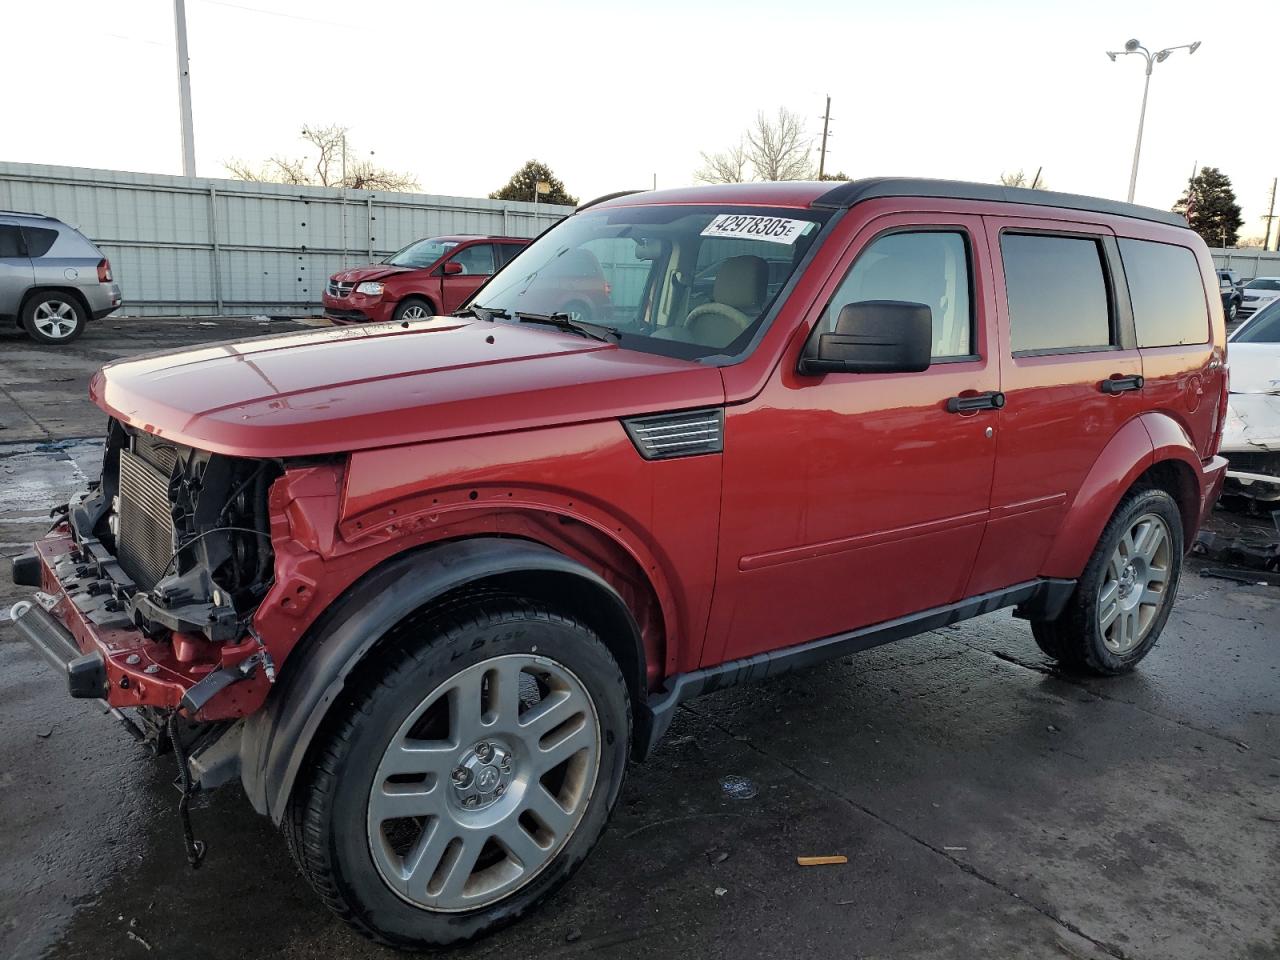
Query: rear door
point(477, 263)
point(16, 274)
point(1071, 375)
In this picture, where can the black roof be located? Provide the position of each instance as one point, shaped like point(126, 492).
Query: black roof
point(848, 193)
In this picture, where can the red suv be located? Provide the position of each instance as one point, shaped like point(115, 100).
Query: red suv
point(425, 591)
point(426, 278)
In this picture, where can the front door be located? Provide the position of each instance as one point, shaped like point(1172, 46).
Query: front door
point(476, 262)
point(851, 499)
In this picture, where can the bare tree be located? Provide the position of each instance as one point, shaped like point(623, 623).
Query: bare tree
point(325, 169)
point(778, 148)
point(727, 166)
point(1020, 179)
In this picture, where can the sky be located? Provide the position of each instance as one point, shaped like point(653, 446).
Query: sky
point(612, 95)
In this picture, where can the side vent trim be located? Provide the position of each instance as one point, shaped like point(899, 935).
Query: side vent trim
point(687, 433)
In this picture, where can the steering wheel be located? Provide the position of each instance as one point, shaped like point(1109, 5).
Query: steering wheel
point(700, 317)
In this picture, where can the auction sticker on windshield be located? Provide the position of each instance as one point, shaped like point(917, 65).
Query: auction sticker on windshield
point(748, 227)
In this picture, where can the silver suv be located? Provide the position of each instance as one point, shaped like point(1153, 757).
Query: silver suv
point(53, 280)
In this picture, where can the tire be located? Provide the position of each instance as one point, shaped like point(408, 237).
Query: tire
point(351, 849)
point(412, 308)
point(1108, 625)
point(53, 317)
point(1232, 311)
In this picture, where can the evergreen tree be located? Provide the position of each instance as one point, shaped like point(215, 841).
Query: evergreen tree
point(1209, 204)
point(522, 183)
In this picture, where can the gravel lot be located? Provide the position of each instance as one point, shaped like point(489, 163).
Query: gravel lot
point(989, 806)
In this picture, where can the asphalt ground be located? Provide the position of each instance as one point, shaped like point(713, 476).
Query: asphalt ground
point(989, 805)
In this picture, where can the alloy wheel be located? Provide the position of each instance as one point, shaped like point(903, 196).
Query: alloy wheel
point(484, 783)
point(56, 319)
point(1134, 585)
point(414, 312)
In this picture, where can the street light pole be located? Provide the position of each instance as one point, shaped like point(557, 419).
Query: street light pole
point(1160, 56)
point(184, 89)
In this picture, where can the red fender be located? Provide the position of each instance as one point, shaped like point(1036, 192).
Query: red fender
point(1142, 443)
point(1121, 462)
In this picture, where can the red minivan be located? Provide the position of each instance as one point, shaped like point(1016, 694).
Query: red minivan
point(428, 277)
point(424, 591)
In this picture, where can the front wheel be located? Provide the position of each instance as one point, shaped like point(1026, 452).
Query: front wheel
point(1121, 603)
point(468, 775)
point(1233, 309)
point(412, 308)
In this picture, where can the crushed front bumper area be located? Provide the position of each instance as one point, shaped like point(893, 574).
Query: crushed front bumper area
point(77, 623)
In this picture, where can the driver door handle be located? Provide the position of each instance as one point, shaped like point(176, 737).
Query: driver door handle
point(1121, 384)
point(991, 400)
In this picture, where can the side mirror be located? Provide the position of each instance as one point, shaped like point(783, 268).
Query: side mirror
point(451, 268)
point(874, 336)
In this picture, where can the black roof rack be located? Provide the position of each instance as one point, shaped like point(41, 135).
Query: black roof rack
point(856, 191)
point(608, 196)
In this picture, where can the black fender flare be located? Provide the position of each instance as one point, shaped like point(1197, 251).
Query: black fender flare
point(275, 739)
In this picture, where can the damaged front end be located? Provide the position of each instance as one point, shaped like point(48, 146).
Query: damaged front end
point(149, 581)
point(1251, 444)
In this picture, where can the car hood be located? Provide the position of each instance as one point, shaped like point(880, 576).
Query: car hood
point(374, 271)
point(1255, 367)
point(342, 389)
point(1260, 294)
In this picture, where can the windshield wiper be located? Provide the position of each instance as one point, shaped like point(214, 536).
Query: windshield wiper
point(562, 321)
point(482, 313)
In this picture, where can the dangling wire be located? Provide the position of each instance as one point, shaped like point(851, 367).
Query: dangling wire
point(195, 848)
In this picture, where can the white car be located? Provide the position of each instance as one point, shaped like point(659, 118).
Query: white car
point(1258, 293)
point(1251, 436)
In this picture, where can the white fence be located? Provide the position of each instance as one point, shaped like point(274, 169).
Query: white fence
point(1249, 263)
point(195, 246)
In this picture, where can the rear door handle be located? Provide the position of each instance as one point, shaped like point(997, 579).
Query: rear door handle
point(1121, 384)
point(991, 400)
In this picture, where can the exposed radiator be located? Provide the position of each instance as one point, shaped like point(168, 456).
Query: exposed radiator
point(145, 538)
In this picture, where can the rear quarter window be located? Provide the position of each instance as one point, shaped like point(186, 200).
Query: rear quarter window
point(39, 240)
point(1057, 293)
point(1169, 306)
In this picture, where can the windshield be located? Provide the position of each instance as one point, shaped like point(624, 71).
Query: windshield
point(1263, 283)
point(685, 281)
point(421, 253)
point(1264, 327)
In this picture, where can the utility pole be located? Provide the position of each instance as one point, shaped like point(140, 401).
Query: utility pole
point(184, 90)
point(1271, 218)
point(822, 157)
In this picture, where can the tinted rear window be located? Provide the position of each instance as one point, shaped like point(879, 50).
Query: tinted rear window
point(11, 242)
point(1057, 293)
point(39, 240)
point(1168, 299)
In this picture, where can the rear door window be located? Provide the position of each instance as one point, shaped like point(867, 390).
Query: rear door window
point(39, 240)
point(1057, 293)
point(1168, 299)
point(11, 242)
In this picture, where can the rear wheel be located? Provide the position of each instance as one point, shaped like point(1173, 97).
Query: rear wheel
point(413, 308)
point(466, 778)
point(1123, 600)
point(53, 317)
